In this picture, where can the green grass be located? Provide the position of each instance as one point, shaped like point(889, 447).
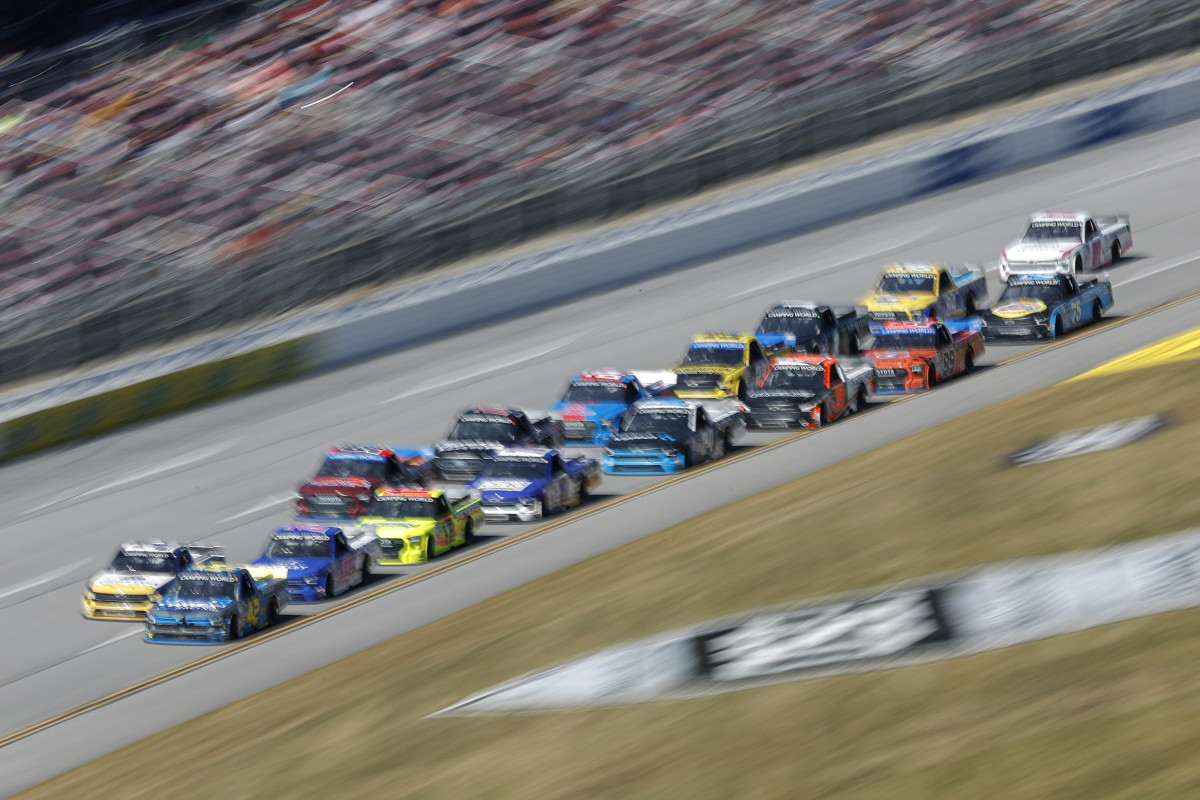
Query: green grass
point(1108, 712)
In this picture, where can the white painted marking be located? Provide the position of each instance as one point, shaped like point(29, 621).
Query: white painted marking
point(269, 503)
point(326, 97)
point(794, 277)
point(1139, 173)
point(127, 635)
point(521, 359)
point(1179, 263)
point(45, 578)
point(191, 458)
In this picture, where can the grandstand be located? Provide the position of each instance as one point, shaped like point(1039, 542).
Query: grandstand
point(185, 170)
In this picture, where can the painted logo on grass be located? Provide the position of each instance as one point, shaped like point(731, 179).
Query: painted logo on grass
point(993, 606)
point(1088, 440)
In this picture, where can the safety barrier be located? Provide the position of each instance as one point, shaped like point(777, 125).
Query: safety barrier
point(282, 350)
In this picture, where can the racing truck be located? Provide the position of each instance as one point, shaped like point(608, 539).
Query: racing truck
point(318, 562)
point(1067, 242)
point(719, 365)
point(593, 403)
point(1045, 306)
point(214, 604)
point(803, 327)
point(914, 356)
point(809, 391)
point(415, 524)
point(136, 576)
point(669, 435)
point(925, 291)
point(527, 483)
point(479, 433)
point(341, 490)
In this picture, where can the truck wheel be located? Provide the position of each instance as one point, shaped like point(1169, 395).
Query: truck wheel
point(235, 627)
point(1116, 251)
point(469, 534)
point(852, 406)
point(969, 363)
point(853, 344)
point(429, 549)
point(368, 567)
point(1058, 327)
point(329, 586)
point(1097, 311)
point(972, 308)
point(718, 449)
point(273, 612)
point(1078, 264)
point(933, 378)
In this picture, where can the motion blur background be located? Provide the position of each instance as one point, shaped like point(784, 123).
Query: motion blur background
point(168, 168)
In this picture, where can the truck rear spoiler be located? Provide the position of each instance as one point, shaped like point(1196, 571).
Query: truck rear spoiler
point(207, 551)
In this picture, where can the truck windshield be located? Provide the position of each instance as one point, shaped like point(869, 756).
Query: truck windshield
point(803, 327)
point(401, 507)
point(709, 354)
point(202, 589)
point(298, 548)
point(504, 432)
point(143, 562)
point(353, 468)
point(597, 392)
point(906, 283)
point(808, 377)
point(528, 469)
point(674, 423)
point(905, 341)
point(1053, 232)
point(1047, 292)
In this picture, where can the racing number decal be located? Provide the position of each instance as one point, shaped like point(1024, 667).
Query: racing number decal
point(948, 363)
point(1074, 312)
point(1096, 252)
point(252, 611)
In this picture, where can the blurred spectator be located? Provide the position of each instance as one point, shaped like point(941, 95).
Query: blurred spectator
point(315, 119)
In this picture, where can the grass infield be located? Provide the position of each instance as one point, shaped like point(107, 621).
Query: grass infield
point(1109, 712)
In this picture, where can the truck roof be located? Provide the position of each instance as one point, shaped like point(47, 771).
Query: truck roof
point(524, 452)
point(358, 452)
point(1069, 216)
point(801, 358)
point(150, 546)
point(915, 326)
point(407, 491)
point(306, 532)
point(907, 267)
point(615, 376)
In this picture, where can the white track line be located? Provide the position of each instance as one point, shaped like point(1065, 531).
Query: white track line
point(166, 466)
point(1179, 263)
point(39, 580)
point(263, 506)
point(113, 640)
point(762, 287)
point(521, 359)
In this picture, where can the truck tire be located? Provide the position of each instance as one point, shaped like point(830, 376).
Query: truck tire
point(933, 376)
point(1097, 311)
point(1078, 264)
point(1058, 327)
point(273, 612)
point(972, 307)
point(329, 586)
point(469, 533)
point(235, 627)
point(1116, 251)
point(969, 363)
point(368, 567)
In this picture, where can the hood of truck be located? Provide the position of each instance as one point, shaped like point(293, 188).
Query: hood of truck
point(1018, 308)
point(399, 528)
point(1039, 251)
point(504, 489)
point(325, 484)
point(588, 412)
point(129, 583)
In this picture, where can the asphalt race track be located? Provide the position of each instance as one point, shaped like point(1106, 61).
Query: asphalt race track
point(225, 473)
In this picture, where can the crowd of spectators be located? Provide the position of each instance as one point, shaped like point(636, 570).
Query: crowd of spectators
point(330, 115)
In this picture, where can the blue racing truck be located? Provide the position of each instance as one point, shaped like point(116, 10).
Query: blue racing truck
point(317, 561)
point(214, 605)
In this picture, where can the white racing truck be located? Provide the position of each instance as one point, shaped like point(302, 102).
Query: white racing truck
point(1067, 242)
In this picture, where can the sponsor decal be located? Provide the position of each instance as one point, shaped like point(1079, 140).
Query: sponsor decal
point(794, 311)
point(1020, 308)
point(1088, 440)
point(990, 607)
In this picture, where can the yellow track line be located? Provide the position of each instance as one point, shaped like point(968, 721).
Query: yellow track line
point(474, 555)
